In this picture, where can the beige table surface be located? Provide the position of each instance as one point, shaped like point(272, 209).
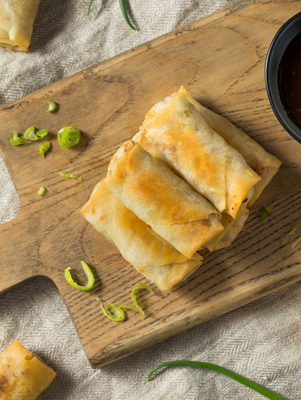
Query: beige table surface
point(261, 340)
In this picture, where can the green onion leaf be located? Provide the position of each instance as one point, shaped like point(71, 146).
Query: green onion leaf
point(42, 190)
point(89, 8)
point(29, 134)
point(42, 133)
point(264, 213)
point(292, 231)
point(246, 230)
point(239, 378)
point(44, 148)
point(18, 105)
point(15, 140)
point(69, 137)
point(71, 176)
point(52, 105)
point(120, 313)
point(89, 276)
point(137, 287)
point(125, 15)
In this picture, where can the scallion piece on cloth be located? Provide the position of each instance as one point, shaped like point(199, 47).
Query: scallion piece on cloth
point(71, 176)
point(29, 134)
point(18, 105)
point(44, 148)
point(125, 15)
point(123, 10)
point(42, 133)
point(68, 136)
point(52, 105)
point(119, 317)
point(292, 231)
point(264, 213)
point(42, 191)
point(89, 276)
point(239, 378)
point(15, 140)
point(137, 287)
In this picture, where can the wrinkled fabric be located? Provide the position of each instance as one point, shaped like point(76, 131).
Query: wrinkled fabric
point(261, 340)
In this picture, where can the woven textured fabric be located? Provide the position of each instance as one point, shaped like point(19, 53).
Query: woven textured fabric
point(261, 340)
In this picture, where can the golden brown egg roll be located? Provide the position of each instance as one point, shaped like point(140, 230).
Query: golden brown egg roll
point(16, 23)
point(22, 375)
point(263, 163)
point(200, 155)
point(161, 199)
point(138, 243)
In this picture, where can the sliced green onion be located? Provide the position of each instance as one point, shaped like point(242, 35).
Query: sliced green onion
point(71, 176)
point(89, 276)
point(69, 137)
point(125, 15)
point(52, 105)
point(246, 230)
point(42, 133)
point(133, 296)
point(15, 140)
point(296, 242)
point(18, 105)
point(239, 378)
point(120, 313)
point(89, 8)
point(29, 134)
point(44, 148)
point(264, 213)
point(292, 231)
point(42, 191)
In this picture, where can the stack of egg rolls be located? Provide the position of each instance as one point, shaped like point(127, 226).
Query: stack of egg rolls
point(16, 23)
point(183, 183)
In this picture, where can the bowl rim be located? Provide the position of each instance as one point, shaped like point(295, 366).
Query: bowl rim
point(282, 117)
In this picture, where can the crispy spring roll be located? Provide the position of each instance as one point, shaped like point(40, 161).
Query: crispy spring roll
point(16, 23)
point(138, 243)
point(200, 155)
point(161, 199)
point(263, 163)
point(232, 227)
point(22, 375)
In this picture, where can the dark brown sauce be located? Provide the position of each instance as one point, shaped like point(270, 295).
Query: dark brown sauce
point(289, 80)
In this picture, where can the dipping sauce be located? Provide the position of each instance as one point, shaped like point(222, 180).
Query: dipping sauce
point(289, 80)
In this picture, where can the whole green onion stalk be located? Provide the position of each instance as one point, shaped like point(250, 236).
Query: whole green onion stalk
point(123, 10)
point(239, 378)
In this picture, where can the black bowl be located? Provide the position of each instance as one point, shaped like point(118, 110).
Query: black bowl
point(282, 39)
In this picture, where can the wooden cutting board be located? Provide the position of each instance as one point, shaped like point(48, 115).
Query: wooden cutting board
point(220, 60)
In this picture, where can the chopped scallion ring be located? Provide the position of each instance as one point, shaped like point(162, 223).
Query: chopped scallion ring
point(42, 133)
point(71, 176)
point(15, 140)
point(89, 276)
point(292, 231)
point(133, 296)
point(44, 148)
point(42, 190)
point(264, 213)
point(29, 134)
point(52, 105)
point(296, 242)
point(18, 105)
point(120, 313)
point(69, 137)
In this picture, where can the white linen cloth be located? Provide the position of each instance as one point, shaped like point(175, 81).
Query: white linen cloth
point(261, 340)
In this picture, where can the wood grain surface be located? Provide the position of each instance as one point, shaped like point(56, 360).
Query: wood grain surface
point(220, 60)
